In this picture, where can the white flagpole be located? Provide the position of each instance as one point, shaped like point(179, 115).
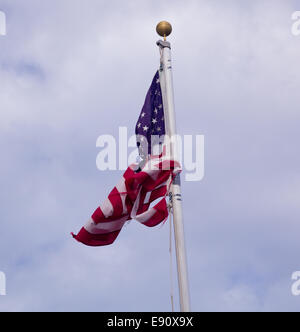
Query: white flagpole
point(164, 29)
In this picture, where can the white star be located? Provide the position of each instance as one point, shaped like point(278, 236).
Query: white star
point(158, 129)
point(155, 111)
point(157, 81)
point(145, 128)
point(143, 114)
point(154, 121)
point(139, 125)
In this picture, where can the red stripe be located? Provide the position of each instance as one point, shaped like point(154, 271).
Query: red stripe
point(157, 193)
point(98, 216)
point(160, 215)
point(116, 202)
point(95, 239)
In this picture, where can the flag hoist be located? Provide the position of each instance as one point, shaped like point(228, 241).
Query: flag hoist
point(164, 29)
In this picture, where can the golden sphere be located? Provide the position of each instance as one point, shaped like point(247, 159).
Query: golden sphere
point(164, 28)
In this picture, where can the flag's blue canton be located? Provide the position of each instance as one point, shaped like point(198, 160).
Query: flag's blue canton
point(151, 120)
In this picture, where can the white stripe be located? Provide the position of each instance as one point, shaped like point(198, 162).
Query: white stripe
point(105, 227)
point(147, 197)
point(151, 166)
point(146, 216)
point(107, 208)
point(121, 187)
point(135, 205)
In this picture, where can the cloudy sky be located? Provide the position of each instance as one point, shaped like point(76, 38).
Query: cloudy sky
point(72, 70)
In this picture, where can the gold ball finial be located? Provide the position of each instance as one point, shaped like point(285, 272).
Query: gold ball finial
point(164, 29)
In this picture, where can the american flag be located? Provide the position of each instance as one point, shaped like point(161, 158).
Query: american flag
point(139, 187)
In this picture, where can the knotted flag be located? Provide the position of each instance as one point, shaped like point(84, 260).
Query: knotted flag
point(131, 199)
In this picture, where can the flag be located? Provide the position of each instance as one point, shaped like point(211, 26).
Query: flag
point(151, 122)
point(141, 184)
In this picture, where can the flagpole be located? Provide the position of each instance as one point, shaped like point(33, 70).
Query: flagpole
point(164, 29)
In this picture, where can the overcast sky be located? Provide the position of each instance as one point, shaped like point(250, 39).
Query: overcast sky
point(72, 70)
